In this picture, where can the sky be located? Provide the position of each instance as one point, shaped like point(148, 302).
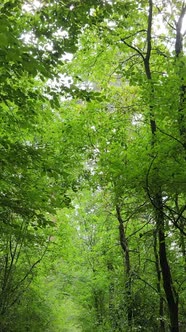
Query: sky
point(159, 24)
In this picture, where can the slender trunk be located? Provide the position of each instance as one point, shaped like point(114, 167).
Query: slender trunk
point(128, 283)
point(183, 248)
point(179, 212)
point(180, 67)
point(171, 295)
point(157, 200)
point(158, 272)
point(112, 319)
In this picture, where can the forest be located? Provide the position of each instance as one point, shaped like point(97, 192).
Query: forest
point(93, 166)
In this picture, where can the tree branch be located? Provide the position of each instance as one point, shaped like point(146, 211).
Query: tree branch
point(169, 135)
point(134, 48)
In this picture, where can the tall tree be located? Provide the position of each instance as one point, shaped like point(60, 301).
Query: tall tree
point(141, 55)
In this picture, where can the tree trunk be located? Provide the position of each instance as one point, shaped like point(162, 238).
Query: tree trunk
point(158, 272)
point(171, 295)
point(125, 248)
point(156, 199)
point(180, 61)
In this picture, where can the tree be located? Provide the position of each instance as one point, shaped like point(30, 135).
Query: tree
point(36, 158)
point(144, 59)
point(115, 127)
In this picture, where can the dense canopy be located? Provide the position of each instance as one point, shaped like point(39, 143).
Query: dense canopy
point(93, 166)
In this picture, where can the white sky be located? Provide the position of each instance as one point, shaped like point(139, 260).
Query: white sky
point(33, 5)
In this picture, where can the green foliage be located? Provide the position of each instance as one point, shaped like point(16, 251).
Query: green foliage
point(79, 139)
